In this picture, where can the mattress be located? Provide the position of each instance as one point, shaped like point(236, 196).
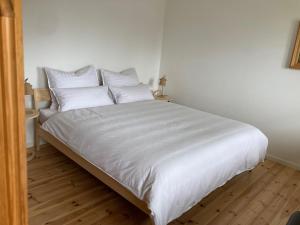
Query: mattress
point(45, 114)
point(168, 155)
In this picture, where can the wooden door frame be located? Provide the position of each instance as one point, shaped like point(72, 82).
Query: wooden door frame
point(13, 167)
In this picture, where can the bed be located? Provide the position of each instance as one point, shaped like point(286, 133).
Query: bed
point(162, 157)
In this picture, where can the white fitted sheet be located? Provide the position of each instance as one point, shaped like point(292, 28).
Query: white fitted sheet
point(168, 155)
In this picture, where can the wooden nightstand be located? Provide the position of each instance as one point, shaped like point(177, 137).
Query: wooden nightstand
point(165, 98)
point(30, 115)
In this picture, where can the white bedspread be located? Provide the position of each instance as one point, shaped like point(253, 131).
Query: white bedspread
point(168, 155)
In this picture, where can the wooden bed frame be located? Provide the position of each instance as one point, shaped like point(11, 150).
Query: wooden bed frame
point(43, 95)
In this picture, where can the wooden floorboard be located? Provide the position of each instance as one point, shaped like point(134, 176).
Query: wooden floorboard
point(62, 193)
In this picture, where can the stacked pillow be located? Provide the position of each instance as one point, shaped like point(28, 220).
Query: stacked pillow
point(125, 78)
point(81, 88)
point(85, 97)
point(77, 89)
point(125, 86)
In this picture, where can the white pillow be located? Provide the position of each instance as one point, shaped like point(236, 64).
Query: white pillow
point(141, 92)
point(78, 98)
point(127, 77)
point(85, 77)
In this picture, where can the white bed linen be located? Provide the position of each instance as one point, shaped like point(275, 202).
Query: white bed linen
point(84, 77)
point(45, 114)
point(80, 98)
point(137, 93)
point(168, 155)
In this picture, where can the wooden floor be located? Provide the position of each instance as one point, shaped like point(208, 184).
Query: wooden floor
point(61, 193)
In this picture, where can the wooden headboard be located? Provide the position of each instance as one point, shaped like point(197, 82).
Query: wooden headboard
point(41, 95)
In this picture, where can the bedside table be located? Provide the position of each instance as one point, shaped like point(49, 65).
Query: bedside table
point(164, 98)
point(30, 115)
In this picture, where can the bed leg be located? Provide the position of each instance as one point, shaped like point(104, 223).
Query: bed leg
point(148, 221)
point(151, 221)
point(37, 138)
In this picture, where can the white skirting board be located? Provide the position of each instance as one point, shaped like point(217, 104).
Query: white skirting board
point(284, 162)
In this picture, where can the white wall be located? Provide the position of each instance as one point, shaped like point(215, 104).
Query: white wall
point(230, 58)
point(111, 34)
point(225, 57)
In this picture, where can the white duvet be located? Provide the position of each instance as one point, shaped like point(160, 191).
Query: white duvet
point(168, 155)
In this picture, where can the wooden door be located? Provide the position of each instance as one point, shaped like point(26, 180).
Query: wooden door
point(13, 178)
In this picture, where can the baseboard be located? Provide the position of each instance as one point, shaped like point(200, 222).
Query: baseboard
point(30, 145)
point(284, 162)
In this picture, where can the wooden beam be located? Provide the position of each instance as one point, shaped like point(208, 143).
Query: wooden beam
point(6, 8)
point(295, 61)
point(13, 177)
